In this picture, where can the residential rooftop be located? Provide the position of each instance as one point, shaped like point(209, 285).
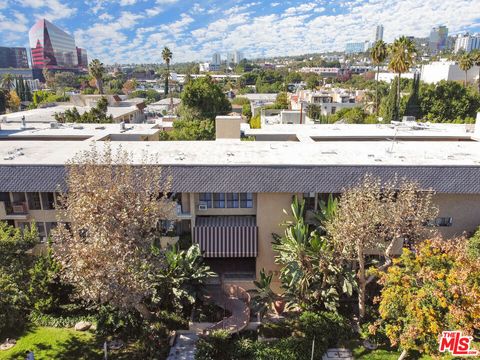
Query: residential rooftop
point(409, 130)
point(258, 153)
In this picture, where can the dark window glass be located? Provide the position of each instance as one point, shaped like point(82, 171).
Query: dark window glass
point(219, 200)
point(309, 201)
point(33, 199)
point(206, 199)
point(232, 200)
point(246, 200)
point(48, 201)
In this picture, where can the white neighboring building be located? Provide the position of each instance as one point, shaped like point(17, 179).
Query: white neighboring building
point(207, 67)
point(388, 77)
point(446, 70)
point(467, 42)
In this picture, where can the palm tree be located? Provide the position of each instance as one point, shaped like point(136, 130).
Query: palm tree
point(7, 81)
point(465, 62)
point(97, 70)
point(167, 56)
point(402, 57)
point(378, 54)
point(475, 54)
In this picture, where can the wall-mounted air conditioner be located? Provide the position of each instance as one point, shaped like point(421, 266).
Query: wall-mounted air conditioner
point(202, 207)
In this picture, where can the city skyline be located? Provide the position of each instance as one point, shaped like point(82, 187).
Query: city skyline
point(137, 30)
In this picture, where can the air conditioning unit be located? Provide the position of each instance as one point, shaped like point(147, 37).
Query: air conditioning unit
point(202, 207)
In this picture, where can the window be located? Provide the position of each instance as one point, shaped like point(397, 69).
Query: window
point(443, 221)
point(206, 199)
point(219, 200)
point(48, 201)
point(246, 200)
point(309, 201)
point(334, 109)
point(49, 226)
point(232, 200)
point(33, 199)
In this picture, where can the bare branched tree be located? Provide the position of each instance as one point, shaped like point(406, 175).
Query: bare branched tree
point(373, 217)
point(112, 209)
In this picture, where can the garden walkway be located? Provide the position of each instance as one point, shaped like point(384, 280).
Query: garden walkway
point(234, 299)
point(184, 348)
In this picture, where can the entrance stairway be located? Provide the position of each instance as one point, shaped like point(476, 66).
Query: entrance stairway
point(234, 299)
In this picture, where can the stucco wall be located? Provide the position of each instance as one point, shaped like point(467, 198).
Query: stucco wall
point(269, 215)
point(464, 209)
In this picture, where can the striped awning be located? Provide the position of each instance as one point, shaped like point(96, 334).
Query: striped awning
point(226, 236)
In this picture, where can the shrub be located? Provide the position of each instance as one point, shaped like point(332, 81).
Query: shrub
point(284, 349)
point(328, 328)
point(255, 122)
point(172, 321)
point(216, 346)
point(278, 330)
point(13, 304)
point(244, 349)
point(57, 321)
point(111, 321)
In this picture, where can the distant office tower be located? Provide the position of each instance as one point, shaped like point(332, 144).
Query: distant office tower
point(13, 57)
point(467, 42)
point(234, 57)
point(379, 33)
point(438, 38)
point(82, 58)
point(356, 48)
point(216, 59)
point(52, 47)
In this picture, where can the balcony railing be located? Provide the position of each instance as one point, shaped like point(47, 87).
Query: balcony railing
point(181, 214)
point(19, 208)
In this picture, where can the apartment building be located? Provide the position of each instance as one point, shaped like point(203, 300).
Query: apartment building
point(231, 193)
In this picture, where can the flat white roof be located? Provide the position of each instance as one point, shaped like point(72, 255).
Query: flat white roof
point(46, 115)
point(13, 131)
point(236, 152)
point(365, 131)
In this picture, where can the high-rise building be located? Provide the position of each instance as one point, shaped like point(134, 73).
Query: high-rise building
point(379, 33)
point(82, 58)
point(13, 57)
point(51, 47)
point(467, 42)
point(216, 59)
point(234, 57)
point(356, 48)
point(437, 40)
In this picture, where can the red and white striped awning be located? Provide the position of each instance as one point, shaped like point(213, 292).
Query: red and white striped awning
point(226, 236)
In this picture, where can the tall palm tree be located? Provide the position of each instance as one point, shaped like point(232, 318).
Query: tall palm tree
point(476, 60)
point(465, 62)
point(167, 56)
point(7, 81)
point(402, 57)
point(97, 70)
point(378, 54)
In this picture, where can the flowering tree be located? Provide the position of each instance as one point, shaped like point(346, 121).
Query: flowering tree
point(373, 217)
point(431, 290)
point(112, 208)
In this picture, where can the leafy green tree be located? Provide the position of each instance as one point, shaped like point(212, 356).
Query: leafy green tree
point(96, 115)
point(293, 77)
point(466, 62)
point(3, 101)
point(402, 57)
point(7, 81)
point(310, 274)
point(312, 81)
point(167, 57)
point(97, 71)
point(190, 130)
point(448, 101)
point(378, 54)
point(371, 218)
point(353, 115)
point(247, 111)
point(389, 109)
point(180, 284)
point(475, 54)
point(205, 98)
point(65, 80)
point(281, 102)
point(427, 291)
point(263, 296)
point(413, 103)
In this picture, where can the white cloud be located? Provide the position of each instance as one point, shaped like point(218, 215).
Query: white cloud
point(154, 11)
point(127, 2)
point(51, 9)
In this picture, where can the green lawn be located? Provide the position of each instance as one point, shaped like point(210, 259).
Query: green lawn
point(55, 343)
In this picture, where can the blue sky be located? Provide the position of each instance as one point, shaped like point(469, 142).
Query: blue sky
point(135, 31)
